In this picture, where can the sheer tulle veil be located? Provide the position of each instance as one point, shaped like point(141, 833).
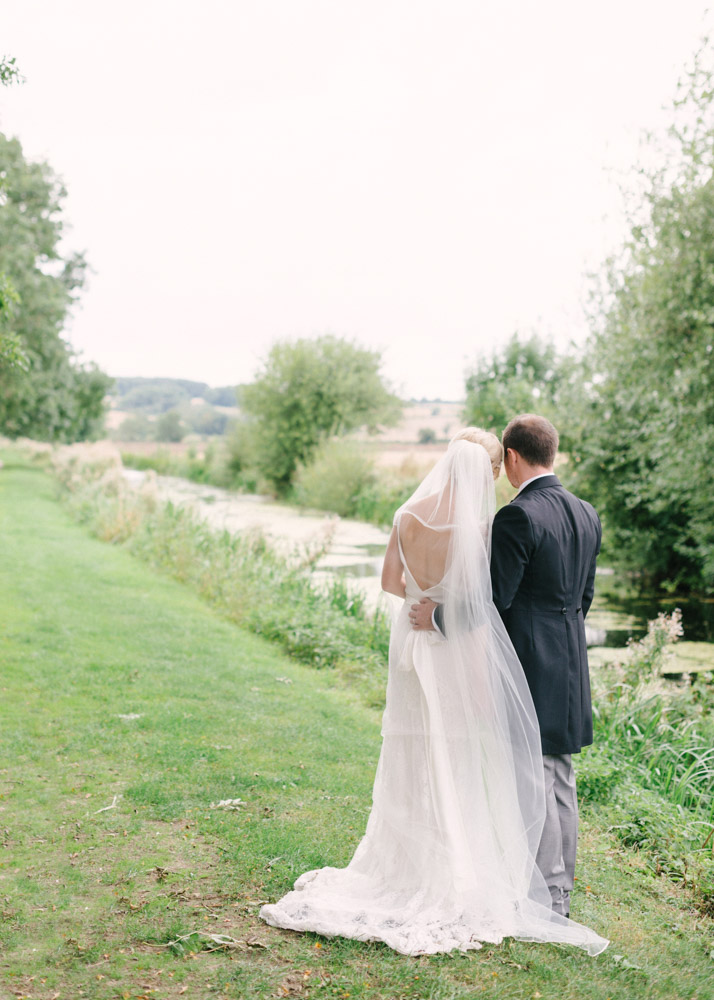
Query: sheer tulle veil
point(488, 685)
point(448, 857)
point(484, 696)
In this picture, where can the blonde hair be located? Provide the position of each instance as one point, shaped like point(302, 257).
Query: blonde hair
point(488, 441)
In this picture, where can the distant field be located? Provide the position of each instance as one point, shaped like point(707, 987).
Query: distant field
point(442, 419)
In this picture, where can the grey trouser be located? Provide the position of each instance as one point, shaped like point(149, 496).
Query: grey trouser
point(556, 853)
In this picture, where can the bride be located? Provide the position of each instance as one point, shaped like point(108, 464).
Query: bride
point(448, 857)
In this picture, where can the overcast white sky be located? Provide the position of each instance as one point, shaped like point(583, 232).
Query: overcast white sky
point(422, 176)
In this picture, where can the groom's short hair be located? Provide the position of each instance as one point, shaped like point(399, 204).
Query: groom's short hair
point(533, 437)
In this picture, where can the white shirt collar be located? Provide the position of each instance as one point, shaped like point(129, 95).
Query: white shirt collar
point(540, 475)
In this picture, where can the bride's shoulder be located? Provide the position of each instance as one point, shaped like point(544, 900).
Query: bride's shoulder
point(417, 512)
point(427, 505)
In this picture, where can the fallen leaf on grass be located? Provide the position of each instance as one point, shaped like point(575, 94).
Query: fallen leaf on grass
point(204, 941)
point(255, 943)
point(625, 963)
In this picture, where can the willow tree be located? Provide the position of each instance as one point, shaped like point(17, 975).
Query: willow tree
point(645, 411)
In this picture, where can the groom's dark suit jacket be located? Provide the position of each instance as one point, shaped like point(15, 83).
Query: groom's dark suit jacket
point(543, 553)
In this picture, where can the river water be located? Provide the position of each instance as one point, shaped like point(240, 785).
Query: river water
point(355, 549)
point(349, 548)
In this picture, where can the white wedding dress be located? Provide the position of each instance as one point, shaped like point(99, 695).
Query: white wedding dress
point(448, 858)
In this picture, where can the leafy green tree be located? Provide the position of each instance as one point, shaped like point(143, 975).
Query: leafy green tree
point(205, 419)
point(169, 427)
point(308, 391)
point(522, 377)
point(47, 395)
point(11, 353)
point(135, 427)
point(645, 413)
point(9, 71)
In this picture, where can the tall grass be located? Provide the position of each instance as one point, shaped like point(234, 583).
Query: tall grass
point(652, 763)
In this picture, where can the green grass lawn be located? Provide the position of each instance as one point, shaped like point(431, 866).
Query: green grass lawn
point(120, 688)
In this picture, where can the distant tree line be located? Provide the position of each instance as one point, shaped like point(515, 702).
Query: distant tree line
point(166, 409)
point(157, 395)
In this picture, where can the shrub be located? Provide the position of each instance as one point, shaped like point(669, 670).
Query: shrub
point(598, 774)
point(652, 765)
point(334, 479)
point(379, 500)
point(210, 466)
point(242, 448)
point(135, 427)
point(169, 427)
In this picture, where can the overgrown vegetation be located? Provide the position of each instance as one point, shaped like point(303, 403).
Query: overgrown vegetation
point(200, 464)
point(341, 477)
point(646, 413)
point(635, 404)
point(651, 768)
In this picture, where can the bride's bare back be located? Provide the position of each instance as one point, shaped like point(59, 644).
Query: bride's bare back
point(425, 535)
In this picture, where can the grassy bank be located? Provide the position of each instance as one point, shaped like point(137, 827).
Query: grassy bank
point(273, 596)
point(129, 708)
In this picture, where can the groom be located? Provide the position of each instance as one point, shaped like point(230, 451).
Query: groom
point(544, 547)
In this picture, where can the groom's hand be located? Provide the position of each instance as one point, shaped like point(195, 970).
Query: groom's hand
point(421, 615)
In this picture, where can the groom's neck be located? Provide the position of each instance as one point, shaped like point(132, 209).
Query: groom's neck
point(526, 472)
